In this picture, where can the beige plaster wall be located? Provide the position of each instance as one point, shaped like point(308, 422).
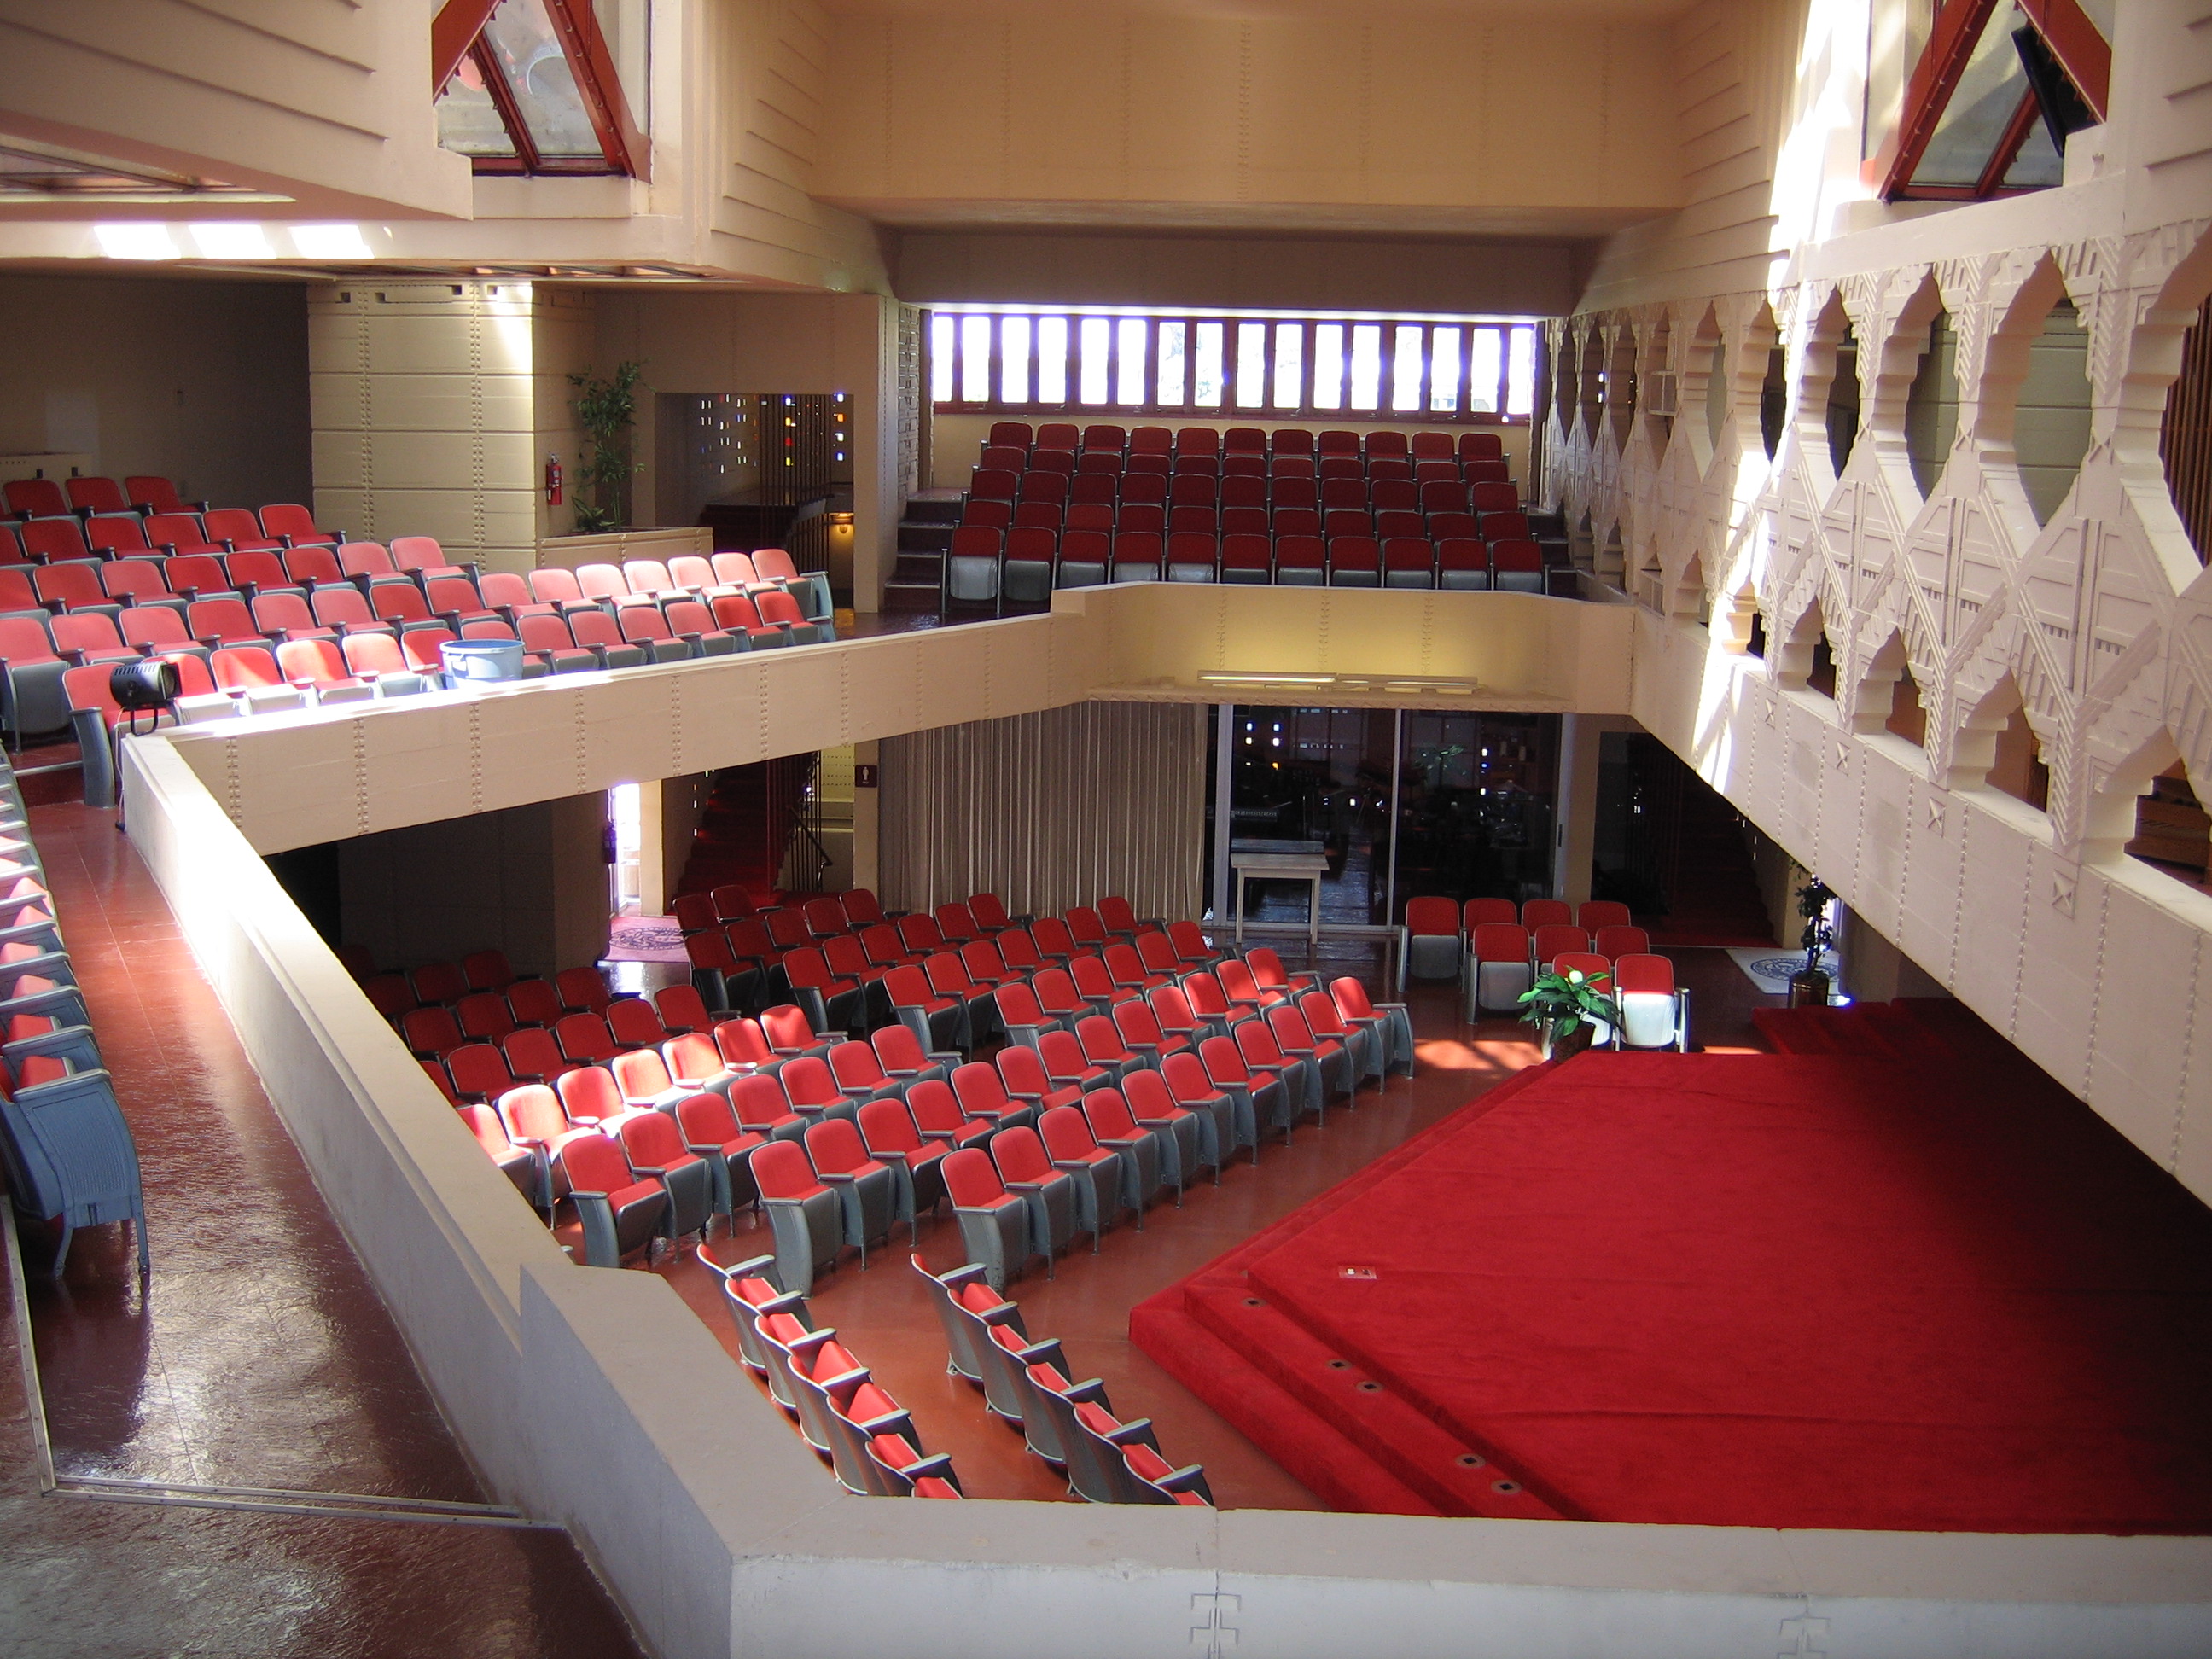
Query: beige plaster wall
point(1492, 121)
point(758, 342)
point(321, 102)
point(529, 880)
point(353, 768)
point(205, 382)
point(425, 406)
point(1456, 276)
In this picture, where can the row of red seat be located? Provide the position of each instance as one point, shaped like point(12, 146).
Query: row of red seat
point(1191, 441)
point(1489, 526)
point(42, 498)
point(1047, 488)
point(1029, 564)
point(119, 534)
point(1067, 1423)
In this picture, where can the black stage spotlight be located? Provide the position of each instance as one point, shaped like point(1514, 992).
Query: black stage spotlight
point(150, 683)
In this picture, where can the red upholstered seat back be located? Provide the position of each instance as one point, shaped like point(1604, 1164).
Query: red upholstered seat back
point(595, 1164)
point(1108, 1114)
point(854, 1066)
point(834, 1146)
point(1020, 1156)
point(970, 1178)
point(1556, 940)
point(1067, 1135)
point(1622, 942)
point(1501, 941)
point(933, 1105)
point(808, 1082)
point(759, 1101)
point(888, 1126)
point(898, 1049)
point(781, 1170)
point(1644, 974)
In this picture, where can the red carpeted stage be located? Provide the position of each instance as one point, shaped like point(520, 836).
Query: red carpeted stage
point(1923, 1290)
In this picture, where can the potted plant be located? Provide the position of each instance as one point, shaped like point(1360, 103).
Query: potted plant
point(1809, 986)
point(1571, 1011)
point(606, 409)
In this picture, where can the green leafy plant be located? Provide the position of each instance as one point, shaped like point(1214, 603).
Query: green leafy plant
point(1561, 1003)
point(1819, 936)
point(606, 409)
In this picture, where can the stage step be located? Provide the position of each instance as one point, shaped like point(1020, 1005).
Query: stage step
point(1457, 1477)
point(1324, 1462)
point(1360, 1449)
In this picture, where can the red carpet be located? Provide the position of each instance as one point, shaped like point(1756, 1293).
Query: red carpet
point(1828, 1290)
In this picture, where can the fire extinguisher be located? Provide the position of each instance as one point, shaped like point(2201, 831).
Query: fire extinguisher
point(552, 481)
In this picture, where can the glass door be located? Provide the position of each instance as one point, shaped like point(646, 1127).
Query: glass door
point(1315, 780)
point(1476, 799)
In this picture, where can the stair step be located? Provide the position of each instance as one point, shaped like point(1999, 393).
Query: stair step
point(925, 538)
point(934, 506)
point(910, 595)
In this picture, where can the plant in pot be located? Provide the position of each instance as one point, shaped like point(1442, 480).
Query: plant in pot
point(606, 409)
point(1571, 1011)
point(1809, 986)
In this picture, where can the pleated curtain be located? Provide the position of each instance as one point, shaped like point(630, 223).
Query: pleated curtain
point(1050, 809)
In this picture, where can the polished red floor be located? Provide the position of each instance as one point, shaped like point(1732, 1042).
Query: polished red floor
point(884, 1315)
point(257, 1355)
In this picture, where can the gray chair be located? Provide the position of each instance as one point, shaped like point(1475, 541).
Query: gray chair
point(994, 1224)
point(971, 568)
point(70, 1158)
point(783, 1339)
point(903, 1480)
point(1389, 1019)
point(1259, 1098)
point(1365, 1044)
point(31, 695)
point(1096, 1172)
point(806, 1218)
point(1049, 1194)
point(849, 1412)
point(1036, 1373)
point(1026, 574)
point(867, 1191)
point(1221, 1129)
point(655, 1147)
point(750, 1291)
point(1083, 558)
point(620, 1213)
point(917, 1165)
point(1329, 1060)
point(1145, 1154)
point(956, 1294)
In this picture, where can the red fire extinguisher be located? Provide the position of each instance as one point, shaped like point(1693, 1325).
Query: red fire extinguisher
point(552, 481)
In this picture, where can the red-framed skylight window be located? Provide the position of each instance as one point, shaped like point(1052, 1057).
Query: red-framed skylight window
point(1999, 87)
point(529, 86)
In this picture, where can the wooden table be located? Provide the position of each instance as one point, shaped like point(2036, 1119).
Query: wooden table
point(1272, 865)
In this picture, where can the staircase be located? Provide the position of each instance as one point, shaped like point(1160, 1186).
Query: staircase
point(925, 537)
point(747, 828)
